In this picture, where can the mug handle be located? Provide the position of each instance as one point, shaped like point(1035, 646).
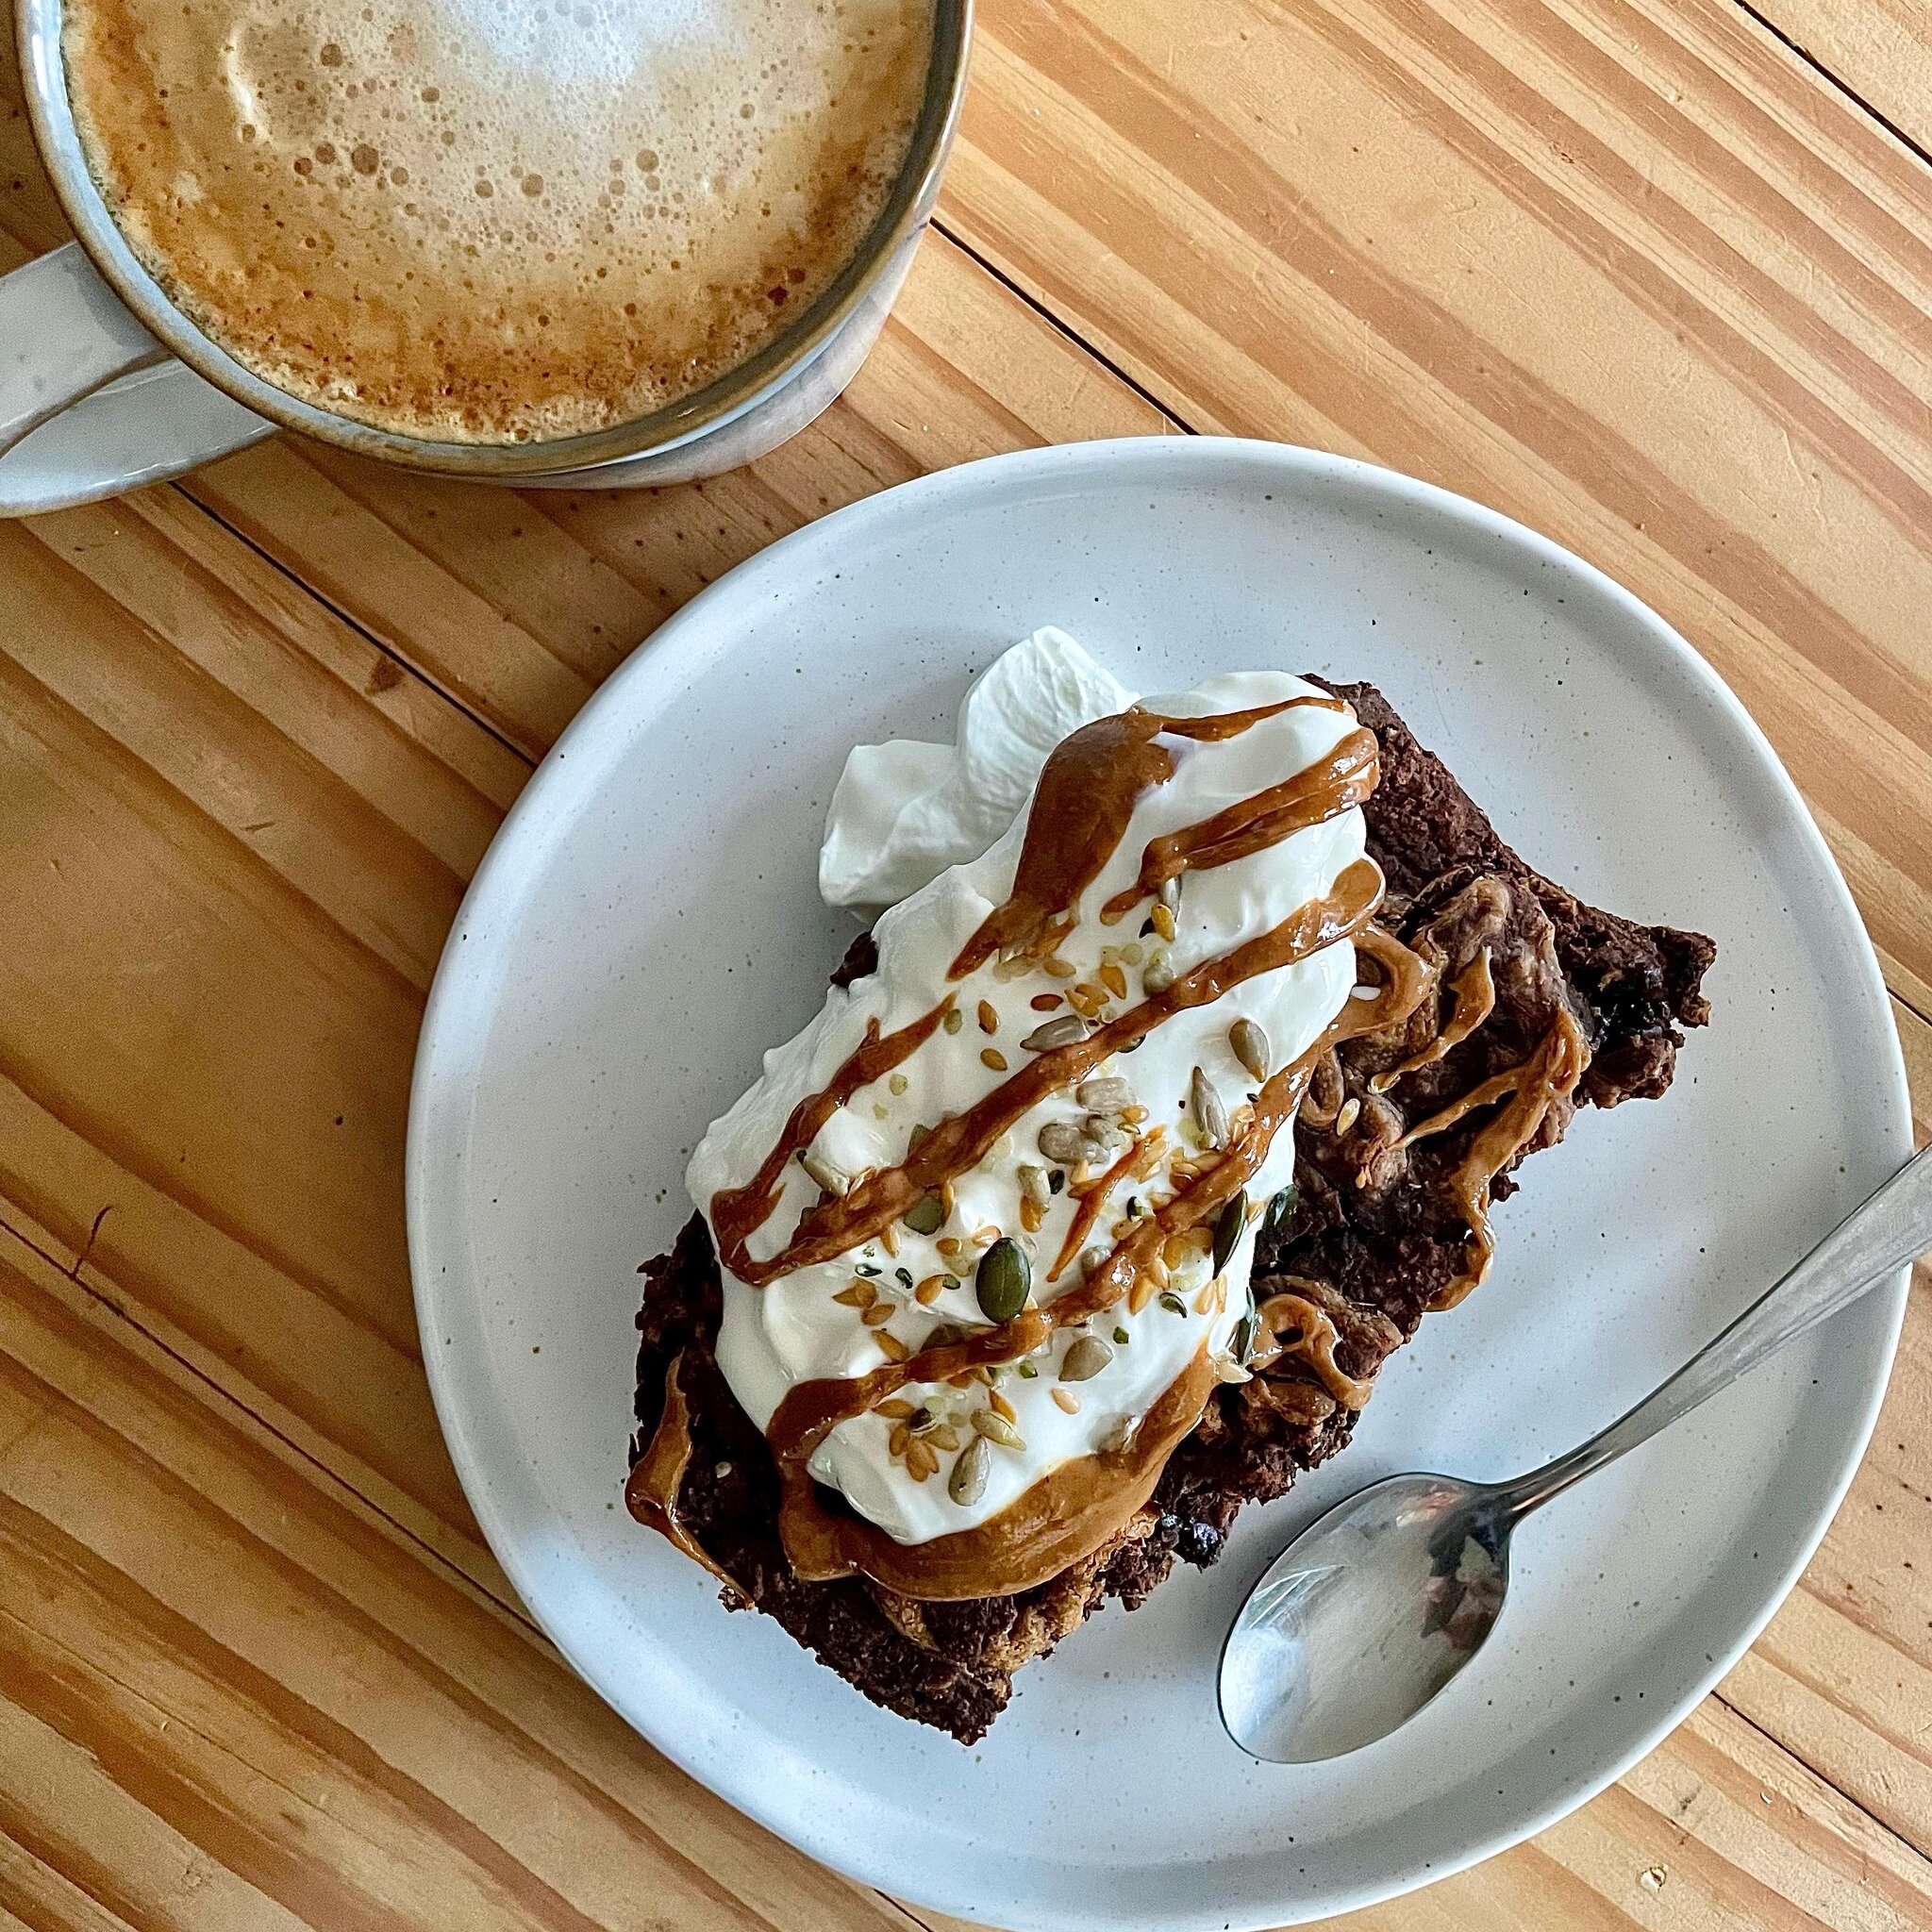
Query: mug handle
point(90, 404)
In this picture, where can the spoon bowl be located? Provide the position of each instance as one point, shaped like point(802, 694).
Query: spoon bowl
point(1365, 1617)
point(1375, 1605)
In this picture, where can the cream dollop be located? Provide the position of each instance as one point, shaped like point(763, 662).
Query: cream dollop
point(810, 1324)
point(905, 811)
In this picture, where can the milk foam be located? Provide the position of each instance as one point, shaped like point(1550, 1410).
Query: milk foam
point(495, 219)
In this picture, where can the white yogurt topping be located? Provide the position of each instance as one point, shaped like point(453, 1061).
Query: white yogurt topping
point(921, 837)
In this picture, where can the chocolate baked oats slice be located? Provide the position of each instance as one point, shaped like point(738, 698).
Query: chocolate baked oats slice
point(1530, 1004)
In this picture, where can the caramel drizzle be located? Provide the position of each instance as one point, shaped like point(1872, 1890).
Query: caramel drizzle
point(1314, 1343)
point(873, 1204)
point(1068, 1514)
point(650, 1493)
point(1313, 796)
point(1086, 796)
point(1474, 993)
point(1085, 799)
point(1031, 1536)
point(1529, 1089)
point(1092, 1194)
point(738, 1213)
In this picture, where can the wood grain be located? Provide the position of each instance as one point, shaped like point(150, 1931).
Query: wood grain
point(1880, 51)
point(1638, 274)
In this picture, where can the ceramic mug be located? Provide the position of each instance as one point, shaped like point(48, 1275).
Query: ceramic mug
point(106, 385)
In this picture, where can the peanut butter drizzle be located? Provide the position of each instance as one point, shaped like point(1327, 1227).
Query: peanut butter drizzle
point(1314, 1344)
point(1088, 790)
point(1092, 1194)
point(1081, 809)
point(651, 1491)
point(1474, 993)
point(738, 1213)
point(1068, 1514)
point(833, 1227)
point(1058, 1536)
point(1549, 1073)
point(1324, 790)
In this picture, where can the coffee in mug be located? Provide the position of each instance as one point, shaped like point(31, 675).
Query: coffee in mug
point(494, 221)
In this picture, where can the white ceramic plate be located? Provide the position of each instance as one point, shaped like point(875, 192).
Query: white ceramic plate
point(647, 923)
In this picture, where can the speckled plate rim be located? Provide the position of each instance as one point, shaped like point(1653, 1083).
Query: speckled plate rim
point(648, 682)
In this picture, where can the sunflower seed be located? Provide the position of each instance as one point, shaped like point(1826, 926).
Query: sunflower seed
point(1170, 893)
point(1033, 1185)
point(1085, 1359)
point(997, 1428)
point(1350, 1113)
point(1158, 975)
point(1120, 1436)
point(1059, 1141)
point(1210, 1113)
point(955, 1019)
point(1065, 1401)
point(1250, 1046)
point(967, 1483)
point(1064, 1031)
point(1106, 1093)
point(824, 1173)
point(1104, 1134)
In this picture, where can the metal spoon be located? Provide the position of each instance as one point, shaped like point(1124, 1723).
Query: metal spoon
point(1375, 1607)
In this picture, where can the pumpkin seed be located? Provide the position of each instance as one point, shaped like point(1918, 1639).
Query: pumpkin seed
point(1064, 1031)
point(1172, 1302)
point(1004, 1280)
point(997, 1428)
point(1106, 1093)
point(1243, 1341)
point(1060, 1141)
point(1250, 1046)
point(926, 1215)
point(1282, 1206)
point(1210, 1112)
point(1228, 1224)
point(967, 1483)
point(1085, 1359)
point(1121, 1335)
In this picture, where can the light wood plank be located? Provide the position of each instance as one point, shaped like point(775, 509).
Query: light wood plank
point(223, 1690)
point(1881, 50)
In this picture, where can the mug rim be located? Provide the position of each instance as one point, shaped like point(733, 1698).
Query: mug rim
point(726, 397)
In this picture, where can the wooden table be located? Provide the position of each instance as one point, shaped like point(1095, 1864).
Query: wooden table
point(1654, 275)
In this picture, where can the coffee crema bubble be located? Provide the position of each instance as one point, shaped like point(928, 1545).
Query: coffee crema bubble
point(496, 221)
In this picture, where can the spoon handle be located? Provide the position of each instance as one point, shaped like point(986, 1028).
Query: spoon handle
point(1892, 1227)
